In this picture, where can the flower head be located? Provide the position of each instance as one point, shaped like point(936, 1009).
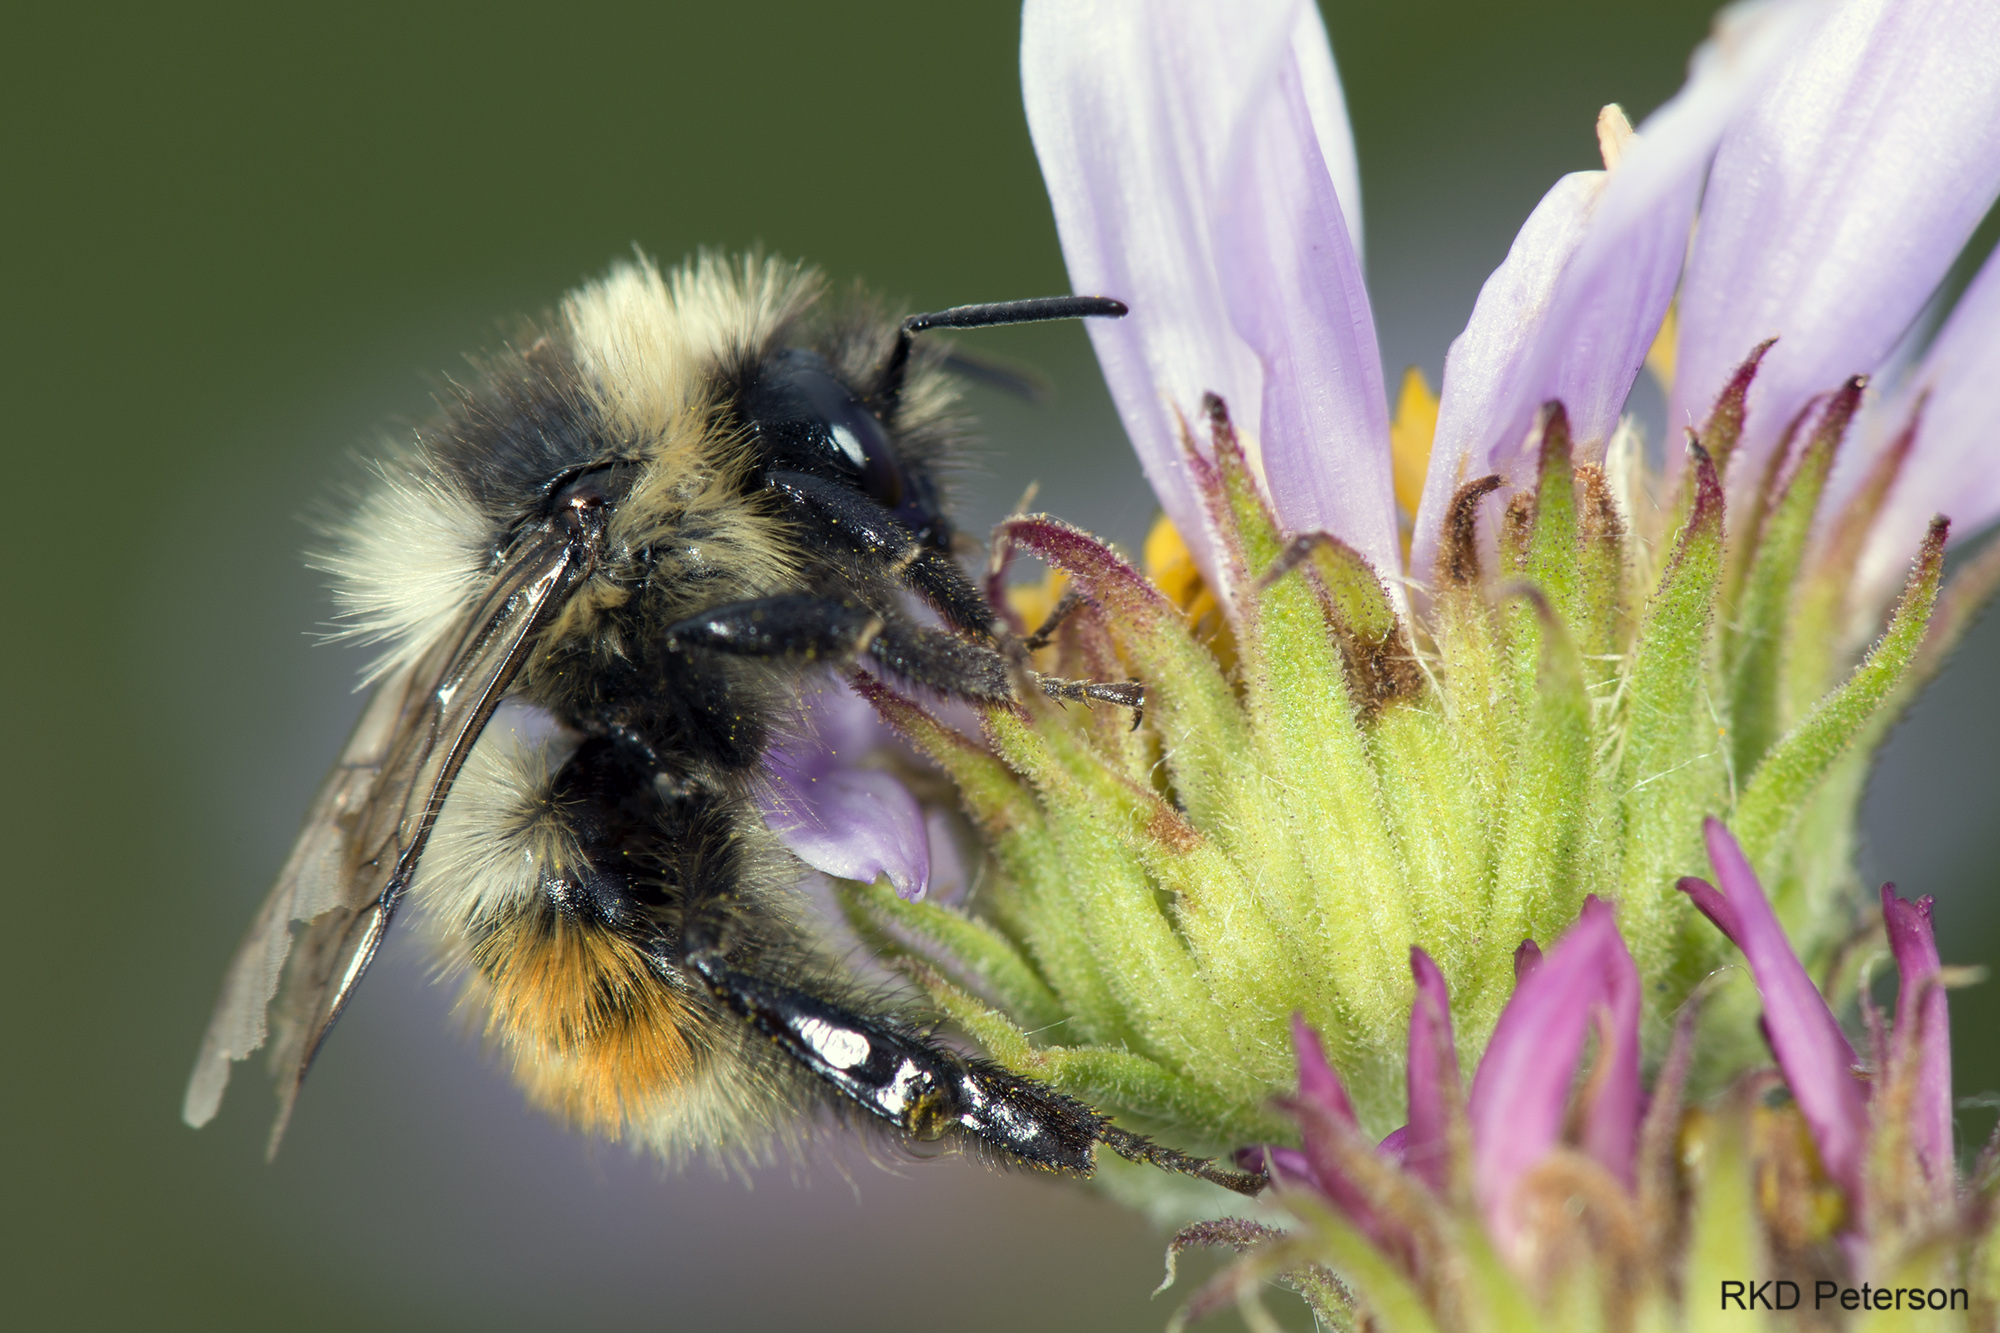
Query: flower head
point(1487, 1145)
point(1343, 757)
point(1382, 746)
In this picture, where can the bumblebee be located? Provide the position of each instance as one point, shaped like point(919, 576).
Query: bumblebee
point(634, 538)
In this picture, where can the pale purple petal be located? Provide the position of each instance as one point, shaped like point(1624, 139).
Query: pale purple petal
point(1295, 294)
point(856, 824)
point(1954, 466)
point(1748, 44)
point(1432, 1077)
point(1572, 311)
point(1923, 1018)
point(1527, 958)
point(1813, 1053)
point(1521, 1092)
point(852, 822)
point(1319, 79)
point(1837, 203)
point(1485, 364)
point(1200, 169)
point(1616, 291)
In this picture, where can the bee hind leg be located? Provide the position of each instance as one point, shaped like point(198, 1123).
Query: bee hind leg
point(927, 1090)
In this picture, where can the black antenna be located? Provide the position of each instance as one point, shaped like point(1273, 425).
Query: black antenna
point(889, 385)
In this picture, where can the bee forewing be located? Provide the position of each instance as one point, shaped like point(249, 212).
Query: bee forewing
point(364, 835)
point(311, 886)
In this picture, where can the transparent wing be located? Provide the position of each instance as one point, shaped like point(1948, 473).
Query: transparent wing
point(365, 833)
point(311, 885)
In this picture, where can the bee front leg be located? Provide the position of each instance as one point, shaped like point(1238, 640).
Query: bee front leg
point(1045, 634)
point(849, 518)
point(857, 522)
point(801, 627)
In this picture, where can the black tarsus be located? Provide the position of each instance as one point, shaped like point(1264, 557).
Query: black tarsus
point(1125, 693)
point(889, 382)
point(1138, 1148)
point(1045, 633)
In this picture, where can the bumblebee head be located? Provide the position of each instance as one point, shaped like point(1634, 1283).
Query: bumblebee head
point(805, 417)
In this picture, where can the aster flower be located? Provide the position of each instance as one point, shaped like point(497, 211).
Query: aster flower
point(1524, 1204)
point(1349, 750)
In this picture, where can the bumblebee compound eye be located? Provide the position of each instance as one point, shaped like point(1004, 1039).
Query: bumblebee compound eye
point(805, 417)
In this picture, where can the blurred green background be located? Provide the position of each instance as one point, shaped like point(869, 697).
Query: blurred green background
point(237, 237)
